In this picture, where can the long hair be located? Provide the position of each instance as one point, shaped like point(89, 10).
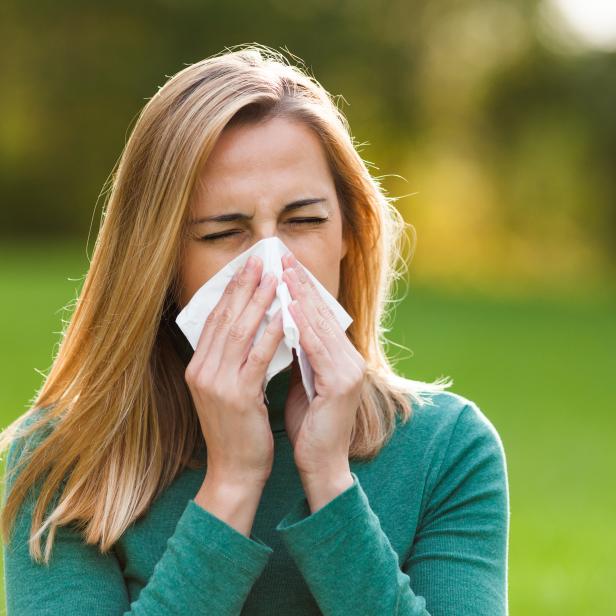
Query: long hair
point(124, 423)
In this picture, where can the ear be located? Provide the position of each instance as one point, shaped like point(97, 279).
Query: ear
point(344, 248)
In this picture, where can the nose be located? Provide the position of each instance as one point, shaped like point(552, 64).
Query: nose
point(286, 251)
point(265, 230)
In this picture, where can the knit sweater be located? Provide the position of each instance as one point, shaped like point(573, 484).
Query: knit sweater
point(423, 530)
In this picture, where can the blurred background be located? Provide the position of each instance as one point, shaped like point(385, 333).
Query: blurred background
point(493, 125)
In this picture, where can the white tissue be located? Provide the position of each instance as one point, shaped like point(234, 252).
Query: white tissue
point(193, 316)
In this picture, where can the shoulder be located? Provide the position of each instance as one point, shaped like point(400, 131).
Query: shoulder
point(461, 457)
point(454, 439)
point(23, 440)
point(447, 418)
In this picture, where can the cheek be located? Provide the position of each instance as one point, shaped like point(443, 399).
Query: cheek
point(322, 259)
point(196, 270)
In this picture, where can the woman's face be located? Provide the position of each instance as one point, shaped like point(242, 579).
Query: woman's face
point(253, 175)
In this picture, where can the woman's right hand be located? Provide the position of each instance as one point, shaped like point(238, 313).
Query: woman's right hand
point(225, 376)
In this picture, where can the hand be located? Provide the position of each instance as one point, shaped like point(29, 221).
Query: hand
point(225, 376)
point(320, 432)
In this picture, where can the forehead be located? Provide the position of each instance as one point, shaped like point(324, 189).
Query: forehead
point(277, 158)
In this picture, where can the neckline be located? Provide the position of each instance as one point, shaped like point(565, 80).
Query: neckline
point(275, 398)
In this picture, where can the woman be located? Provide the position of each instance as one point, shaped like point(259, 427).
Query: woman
point(167, 484)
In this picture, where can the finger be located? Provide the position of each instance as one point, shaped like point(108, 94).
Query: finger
point(260, 354)
point(205, 337)
point(241, 335)
point(319, 316)
point(321, 310)
point(318, 355)
point(236, 294)
point(245, 286)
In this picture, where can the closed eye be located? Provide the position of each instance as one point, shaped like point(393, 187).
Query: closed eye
point(293, 221)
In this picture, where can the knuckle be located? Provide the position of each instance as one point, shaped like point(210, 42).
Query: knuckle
point(257, 357)
point(211, 318)
point(202, 382)
point(325, 311)
point(224, 316)
point(323, 324)
point(349, 381)
point(230, 288)
point(273, 326)
point(301, 274)
point(243, 279)
point(219, 391)
point(190, 374)
point(348, 385)
point(238, 331)
point(319, 348)
point(260, 297)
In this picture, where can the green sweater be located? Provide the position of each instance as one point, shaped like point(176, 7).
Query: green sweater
point(423, 530)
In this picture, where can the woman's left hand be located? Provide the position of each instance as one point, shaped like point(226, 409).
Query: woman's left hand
point(320, 432)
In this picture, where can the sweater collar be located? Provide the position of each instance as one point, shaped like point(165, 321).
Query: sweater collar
point(276, 397)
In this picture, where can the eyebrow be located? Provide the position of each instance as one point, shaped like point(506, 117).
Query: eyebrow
point(240, 216)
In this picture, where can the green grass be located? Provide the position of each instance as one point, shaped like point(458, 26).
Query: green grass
point(540, 369)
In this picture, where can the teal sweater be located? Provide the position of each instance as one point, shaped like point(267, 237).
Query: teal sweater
point(423, 530)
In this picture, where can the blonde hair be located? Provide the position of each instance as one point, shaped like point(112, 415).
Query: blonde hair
point(124, 423)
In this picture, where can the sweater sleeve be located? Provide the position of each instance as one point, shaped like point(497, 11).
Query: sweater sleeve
point(208, 567)
point(459, 557)
point(458, 561)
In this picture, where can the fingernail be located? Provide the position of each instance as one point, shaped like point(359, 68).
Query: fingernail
point(251, 262)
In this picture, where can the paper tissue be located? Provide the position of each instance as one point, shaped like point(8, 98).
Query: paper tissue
point(192, 317)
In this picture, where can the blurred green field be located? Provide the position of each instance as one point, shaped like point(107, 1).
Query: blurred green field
point(539, 368)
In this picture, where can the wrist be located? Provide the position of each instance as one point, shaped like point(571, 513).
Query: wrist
point(221, 483)
point(322, 488)
point(234, 503)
